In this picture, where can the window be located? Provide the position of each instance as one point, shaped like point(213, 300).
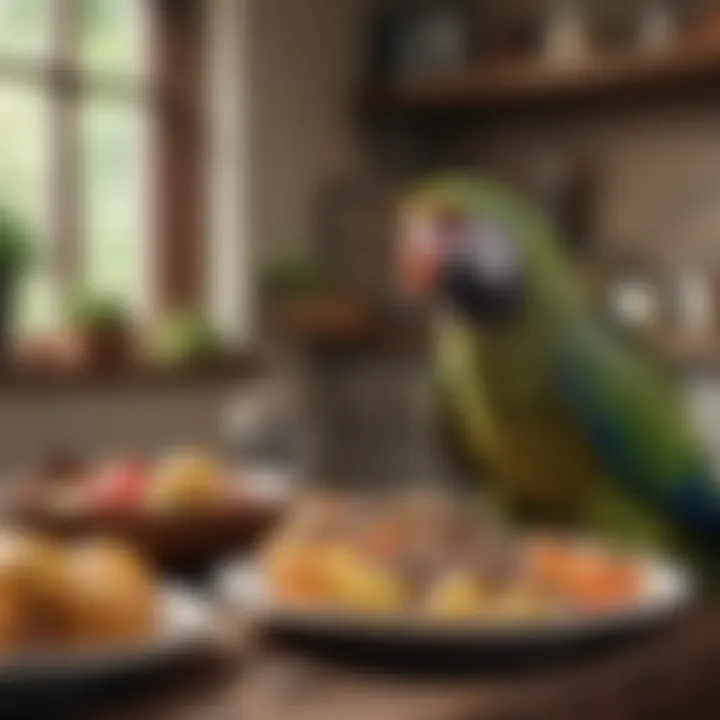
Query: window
point(73, 147)
point(103, 152)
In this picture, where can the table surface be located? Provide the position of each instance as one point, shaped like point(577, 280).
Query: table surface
point(669, 673)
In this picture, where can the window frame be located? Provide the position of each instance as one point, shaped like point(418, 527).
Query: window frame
point(175, 98)
point(180, 167)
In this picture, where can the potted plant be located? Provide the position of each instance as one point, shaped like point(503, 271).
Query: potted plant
point(104, 326)
point(303, 301)
point(15, 256)
point(185, 337)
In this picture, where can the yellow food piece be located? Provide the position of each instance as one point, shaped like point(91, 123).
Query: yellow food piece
point(357, 584)
point(331, 574)
point(186, 482)
point(297, 574)
point(519, 603)
point(458, 596)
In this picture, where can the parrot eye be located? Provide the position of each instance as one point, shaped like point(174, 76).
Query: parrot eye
point(482, 276)
point(493, 251)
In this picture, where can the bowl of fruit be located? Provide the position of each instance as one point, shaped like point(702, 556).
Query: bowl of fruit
point(183, 511)
point(421, 576)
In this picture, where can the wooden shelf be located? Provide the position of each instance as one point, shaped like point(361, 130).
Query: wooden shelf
point(409, 337)
point(225, 370)
point(386, 336)
point(524, 83)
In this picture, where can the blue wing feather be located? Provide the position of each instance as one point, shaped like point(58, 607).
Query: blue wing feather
point(685, 494)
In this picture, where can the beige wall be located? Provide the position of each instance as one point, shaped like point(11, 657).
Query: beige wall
point(94, 421)
point(659, 170)
point(305, 57)
point(305, 61)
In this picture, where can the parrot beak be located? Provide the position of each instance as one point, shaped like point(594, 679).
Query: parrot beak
point(420, 272)
point(419, 258)
point(425, 240)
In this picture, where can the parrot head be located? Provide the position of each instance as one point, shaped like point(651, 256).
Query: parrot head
point(483, 251)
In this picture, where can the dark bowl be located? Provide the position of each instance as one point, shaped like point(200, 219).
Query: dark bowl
point(188, 543)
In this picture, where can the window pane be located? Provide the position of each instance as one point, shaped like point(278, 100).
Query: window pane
point(113, 35)
point(23, 173)
point(24, 27)
point(115, 201)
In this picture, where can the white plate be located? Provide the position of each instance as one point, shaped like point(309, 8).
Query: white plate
point(186, 623)
point(668, 589)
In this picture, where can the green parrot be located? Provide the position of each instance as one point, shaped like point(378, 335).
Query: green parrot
point(566, 419)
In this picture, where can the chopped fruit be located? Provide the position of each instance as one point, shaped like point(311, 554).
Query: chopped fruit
point(398, 562)
point(120, 485)
point(187, 481)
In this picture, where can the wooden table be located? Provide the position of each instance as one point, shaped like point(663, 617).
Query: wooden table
point(672, 673)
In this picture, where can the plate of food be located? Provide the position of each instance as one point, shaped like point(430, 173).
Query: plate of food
point(88, 610)
point(432, 574)
point(184, 511)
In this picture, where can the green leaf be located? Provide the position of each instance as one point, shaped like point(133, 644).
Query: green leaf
point(293, 276)
point(16, 247)
point(184, 336)
point(94, 311)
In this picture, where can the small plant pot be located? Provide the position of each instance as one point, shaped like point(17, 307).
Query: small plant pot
point(108, 350)
point(320, 316)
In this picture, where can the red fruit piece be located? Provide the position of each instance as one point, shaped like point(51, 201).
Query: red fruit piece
point(119, 485)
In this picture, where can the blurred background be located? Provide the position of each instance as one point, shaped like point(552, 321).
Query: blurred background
point(194, 195)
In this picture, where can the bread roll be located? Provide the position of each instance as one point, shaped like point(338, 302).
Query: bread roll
point(113, 597)
point(32, 586)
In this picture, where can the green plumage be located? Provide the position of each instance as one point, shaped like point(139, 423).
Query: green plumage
point(565, 420)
